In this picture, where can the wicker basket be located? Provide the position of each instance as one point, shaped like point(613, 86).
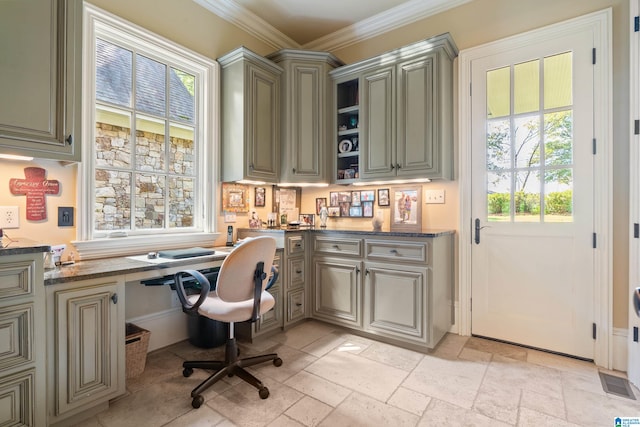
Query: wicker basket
point(137, 343)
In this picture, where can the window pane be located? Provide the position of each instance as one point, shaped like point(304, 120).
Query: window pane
point(527, 145)
point(527, 197)
point(498, 144)
point(150, 201)
point(113, 138)
point(526, 87)
point(499, 196)
point(150, 147)
point(181, 202)
point(558, 135)
point(557, 80)
point(151, 77)
point(181, 96)
point(113, 73)
point(181, 150)
point(558, 200)
point(499, 92)
point(112, 200)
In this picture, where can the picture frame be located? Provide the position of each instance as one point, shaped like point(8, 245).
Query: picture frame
point(320, 202)
point(367, 209)
point(355, 211)
point(355, 198)
point(344, 196)
point(307, 220)
point(334, 211)
point(260, 194)
point(235, 197)
point(333, 198)
point(344, 208)
point(383, 197)
point(367, 196)
point(406, 212)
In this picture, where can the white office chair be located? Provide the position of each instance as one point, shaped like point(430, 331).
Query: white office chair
point(239, 296)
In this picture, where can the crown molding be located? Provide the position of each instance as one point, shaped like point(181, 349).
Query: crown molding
point(250, 22)
point(381, 23)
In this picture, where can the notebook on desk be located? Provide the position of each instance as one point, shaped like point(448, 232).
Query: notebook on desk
point(185, 253)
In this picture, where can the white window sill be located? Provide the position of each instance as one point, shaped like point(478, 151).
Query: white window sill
point(136, 245)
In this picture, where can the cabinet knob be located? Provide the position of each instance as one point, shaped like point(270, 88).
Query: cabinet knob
point(298, 271)
point(394, 251)
point(298, 304)
point(251, 166)
point(336, 247)
point(114, 298)
point(392, 166)
point(357, 270)
point(69, 139)
point(294, 170)
point(366, 272)
point(398, 166)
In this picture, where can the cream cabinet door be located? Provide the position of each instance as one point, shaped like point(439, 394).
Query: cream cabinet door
point(89, 345)
point(40, 71)
point(337, 294)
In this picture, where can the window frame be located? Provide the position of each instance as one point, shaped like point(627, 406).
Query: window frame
point(91, 244)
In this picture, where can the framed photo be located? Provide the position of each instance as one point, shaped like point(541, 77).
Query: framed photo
point(334, 211)
point(407, 209)
point(307, 220)
point(344, 208)
point(320, 202)
point(235, 197)
point(333, 198)
point(260, 197)
point(383, 197)
point(344, 196)
point(367, 196)
point(355, 211)
point(355, 198)
point(367, 209)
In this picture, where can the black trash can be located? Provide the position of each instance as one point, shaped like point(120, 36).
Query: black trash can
point(204, 332)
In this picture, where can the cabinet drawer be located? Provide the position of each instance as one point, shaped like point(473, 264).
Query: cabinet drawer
point(295, 245)
point(397, 251)
point(16, 278)
point(16, 340)
point(17, 394)
point(295, 305)
point(337, 246)
point(295, 273)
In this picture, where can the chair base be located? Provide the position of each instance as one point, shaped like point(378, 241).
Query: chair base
point(231, 366)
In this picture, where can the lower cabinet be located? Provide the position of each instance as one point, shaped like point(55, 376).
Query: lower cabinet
point(86, 329)
point(337, 291)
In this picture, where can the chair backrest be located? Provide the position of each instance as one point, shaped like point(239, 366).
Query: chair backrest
point(235, 278)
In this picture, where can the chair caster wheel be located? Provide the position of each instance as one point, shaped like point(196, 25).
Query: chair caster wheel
point(199, 400)
point(263, 392)
point(277, 362)
point(186, 372)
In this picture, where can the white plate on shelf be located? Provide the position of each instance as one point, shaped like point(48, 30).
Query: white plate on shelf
point(345, 146)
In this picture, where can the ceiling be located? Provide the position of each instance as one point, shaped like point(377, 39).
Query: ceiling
point(324, 24)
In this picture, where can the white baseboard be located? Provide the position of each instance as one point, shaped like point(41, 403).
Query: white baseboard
point(620, 349)
point(167, 327)
point(456, 317)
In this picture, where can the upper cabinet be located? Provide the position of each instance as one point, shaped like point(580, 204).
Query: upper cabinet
point(394, 114)
point(40, 78)
point(305, 114)
point(250, 117)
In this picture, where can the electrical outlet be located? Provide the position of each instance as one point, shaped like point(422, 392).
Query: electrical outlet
point(9, 217)
point(434, 196)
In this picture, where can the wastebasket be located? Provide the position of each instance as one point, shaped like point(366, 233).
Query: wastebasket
point(136, 345)
point(204, 332)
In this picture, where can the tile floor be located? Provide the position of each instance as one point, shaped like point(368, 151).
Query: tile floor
point(333, 378)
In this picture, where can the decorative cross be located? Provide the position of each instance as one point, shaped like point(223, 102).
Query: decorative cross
point(35, 187)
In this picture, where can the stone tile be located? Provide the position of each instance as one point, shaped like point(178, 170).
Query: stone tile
point(530, 418)
point(201, 417)
point(449, 347)
point(360, 410)
point(409, 400)
point(319, 388)
point(284, 421)
point(589, 409)
point(158, 367)
point(304, 334)
point(565, 364)
point(489, 346)
point(441, 413)
point(337, 341)
point(498, 402)
point(544, 404)
point(242, 405)
point(293, 361)
point(513, 374)
point(309, 411)
point(454, 381)
point(358, 373)
point(90, 422)
point(393, 356)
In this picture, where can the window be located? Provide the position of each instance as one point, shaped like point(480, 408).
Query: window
point(149, 141)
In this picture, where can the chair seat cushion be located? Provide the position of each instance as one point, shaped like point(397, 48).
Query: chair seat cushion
point(215, 308)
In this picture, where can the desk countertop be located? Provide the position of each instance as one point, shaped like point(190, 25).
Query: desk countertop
point(21, 246)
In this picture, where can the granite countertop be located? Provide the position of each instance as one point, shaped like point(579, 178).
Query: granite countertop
point(95, 268)
point(329, 230)
point(21, 246)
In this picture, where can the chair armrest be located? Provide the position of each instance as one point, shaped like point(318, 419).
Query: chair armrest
point(258, 278)
point(188, 307)
point(274, 276)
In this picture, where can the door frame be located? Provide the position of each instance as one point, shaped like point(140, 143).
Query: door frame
point(600, 23)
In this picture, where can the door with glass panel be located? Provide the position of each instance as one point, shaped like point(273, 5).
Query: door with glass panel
point(532, 203)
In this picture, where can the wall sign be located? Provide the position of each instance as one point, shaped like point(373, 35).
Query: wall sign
point(35, 186)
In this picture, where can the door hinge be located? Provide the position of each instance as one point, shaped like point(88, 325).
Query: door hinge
point(593, 330)
point(470, 89)
point(636, 23)
point(636, 127)
point(594, 240)
point(636, 230)
point(594, 146)
point(593, 54)
point(635, 334)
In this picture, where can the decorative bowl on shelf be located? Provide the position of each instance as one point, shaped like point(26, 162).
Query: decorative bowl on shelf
point(345, 146)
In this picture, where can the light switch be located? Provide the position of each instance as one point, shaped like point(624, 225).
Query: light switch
point(433, 196)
